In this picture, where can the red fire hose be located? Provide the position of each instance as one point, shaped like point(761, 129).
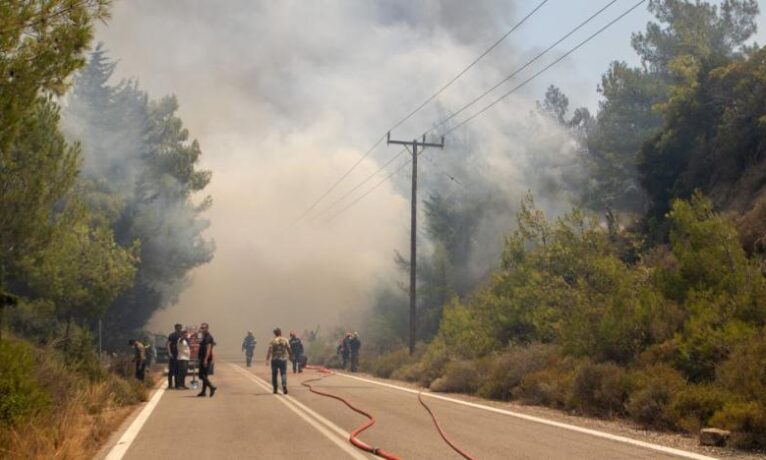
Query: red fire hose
point(353, 436)
point(465, 455)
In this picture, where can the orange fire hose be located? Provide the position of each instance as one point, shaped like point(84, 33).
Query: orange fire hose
point(353, 436)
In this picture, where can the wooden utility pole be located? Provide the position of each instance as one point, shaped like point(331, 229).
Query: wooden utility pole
point(414, 227)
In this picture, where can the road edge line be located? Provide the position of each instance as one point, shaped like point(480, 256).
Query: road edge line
point(121, 448)
point(306, 413)
point(531, 418)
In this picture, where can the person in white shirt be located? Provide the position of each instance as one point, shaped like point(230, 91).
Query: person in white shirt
point(184, 353)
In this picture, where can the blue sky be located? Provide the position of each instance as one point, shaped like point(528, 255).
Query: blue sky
point(582, 71)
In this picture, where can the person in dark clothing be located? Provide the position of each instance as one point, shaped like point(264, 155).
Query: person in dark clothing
point(205, 356)
point(297, 347)
point(248, 346)
point(139, 357)
point(172, 348)
point(344, 350)
point(354, 344)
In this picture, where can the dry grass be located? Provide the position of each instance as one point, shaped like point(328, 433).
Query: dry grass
point(74, 431)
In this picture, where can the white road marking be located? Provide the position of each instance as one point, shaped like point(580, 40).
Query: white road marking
point(127, 438)
point(566, 426)
point(306, 413)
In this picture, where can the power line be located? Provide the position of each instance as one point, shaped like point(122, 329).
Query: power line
point(422, 152)
point(385, 179)
point(444, 173)
point(467, 68)
point(340, 179)
point(522, 84)
point(356, 187)
point(520, 69)
point(516, 88)
point(488, 91)
point(426, 102)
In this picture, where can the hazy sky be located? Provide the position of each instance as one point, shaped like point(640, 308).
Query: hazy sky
point(284, 96)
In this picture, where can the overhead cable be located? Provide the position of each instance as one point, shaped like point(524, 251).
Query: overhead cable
point(523, 67)
point(416, 110)
point(508, 93)
point(546, 68)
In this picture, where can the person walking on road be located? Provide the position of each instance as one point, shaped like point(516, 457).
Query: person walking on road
point(297, 348)
point(278, 354)
point(172, 348)
point(139, 357)
point(184, 354)
point(248, 346)
point(344, 350)
point(354, 344)
point(205, 356)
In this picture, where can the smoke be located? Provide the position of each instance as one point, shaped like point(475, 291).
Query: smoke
point(284, 97)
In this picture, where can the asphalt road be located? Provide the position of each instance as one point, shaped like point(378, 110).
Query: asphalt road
point(245, 420)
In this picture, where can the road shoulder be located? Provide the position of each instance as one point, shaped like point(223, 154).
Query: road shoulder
point(613, 427)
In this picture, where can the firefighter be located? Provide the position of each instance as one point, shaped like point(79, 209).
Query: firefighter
point(297, 347)
point(354, 344)
point(344, 350)
point(248, 346)
point(278, 354)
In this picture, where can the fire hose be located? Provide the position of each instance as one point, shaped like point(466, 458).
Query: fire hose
point(465, 455)
point(353, 436)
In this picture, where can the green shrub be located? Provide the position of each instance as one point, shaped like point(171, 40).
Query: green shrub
point(650, 403)
point(459, 377)
point(20, 393)
point(693, 405)
point(463, 332)
point(549, 387)
point(507, 370)
point(385, 364)
point(744, 372)
point(408, 372)
point(600, 389)
point(81, 356)
point(746, 421)
point(430, 364)
point(34, 320)
point(126, 392)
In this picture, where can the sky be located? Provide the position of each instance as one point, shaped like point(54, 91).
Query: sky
point(285, 96)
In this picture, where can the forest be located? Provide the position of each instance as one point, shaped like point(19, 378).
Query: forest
point(99, 225)
point(628, 282)
point(645, 300)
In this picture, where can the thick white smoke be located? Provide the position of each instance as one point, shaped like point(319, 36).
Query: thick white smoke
point(286, 96)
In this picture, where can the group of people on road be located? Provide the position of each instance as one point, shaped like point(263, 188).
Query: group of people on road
point(179, 353)
point(280, 350)
point(179, 347)
point(179, 350)
point(348, 350)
